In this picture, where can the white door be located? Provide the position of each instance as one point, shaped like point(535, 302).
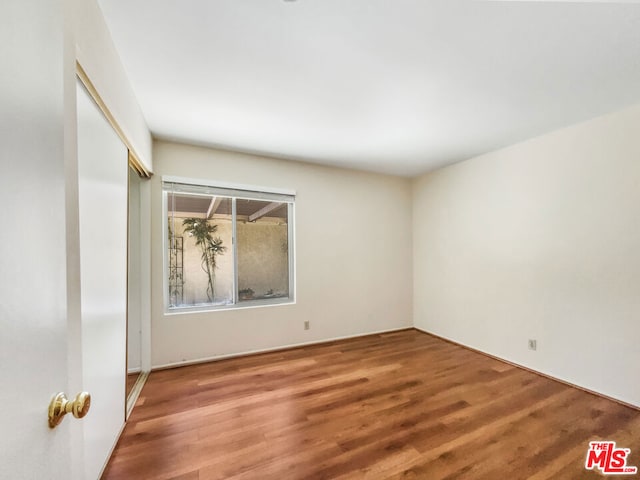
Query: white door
point(102, 181)
point(33, 254)
point(43, 342)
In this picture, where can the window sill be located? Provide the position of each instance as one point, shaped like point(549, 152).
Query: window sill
point(242, 305)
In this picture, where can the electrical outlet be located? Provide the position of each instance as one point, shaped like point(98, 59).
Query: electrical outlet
point(533, 344)
point(306, 324)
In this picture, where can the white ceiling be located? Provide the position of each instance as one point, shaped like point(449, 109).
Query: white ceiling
point(394, 86)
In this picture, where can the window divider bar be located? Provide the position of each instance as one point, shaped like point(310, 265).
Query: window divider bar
point(234, 242)
point(291, 251)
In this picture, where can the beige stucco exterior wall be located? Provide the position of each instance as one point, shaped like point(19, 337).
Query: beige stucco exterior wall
point(262, 258)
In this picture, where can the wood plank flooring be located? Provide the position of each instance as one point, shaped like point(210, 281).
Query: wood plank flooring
point(391, 406)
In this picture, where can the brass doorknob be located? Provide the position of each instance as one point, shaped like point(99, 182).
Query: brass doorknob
point(60, 406)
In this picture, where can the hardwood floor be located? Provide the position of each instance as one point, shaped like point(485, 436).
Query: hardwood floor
point(392, 406)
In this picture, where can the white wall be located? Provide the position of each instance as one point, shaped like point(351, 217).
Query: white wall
point(97, 54)
point(539, 240)
point(353, 249)
point(134, 297)
point(145, 280)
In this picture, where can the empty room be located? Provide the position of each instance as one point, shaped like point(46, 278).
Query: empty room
point(302, 239)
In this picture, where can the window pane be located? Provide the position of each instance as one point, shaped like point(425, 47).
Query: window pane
point(226, 246)
point(263, 249)
point(200, 252)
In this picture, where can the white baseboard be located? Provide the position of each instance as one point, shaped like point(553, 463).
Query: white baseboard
point(274, 349)
point(132, 398)
point(529, 369)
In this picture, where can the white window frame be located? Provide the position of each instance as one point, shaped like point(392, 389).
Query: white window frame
point(234, 191)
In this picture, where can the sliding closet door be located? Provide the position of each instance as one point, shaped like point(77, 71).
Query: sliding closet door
point(102, 189)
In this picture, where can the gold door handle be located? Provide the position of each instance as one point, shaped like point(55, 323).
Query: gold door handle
point(60, 406)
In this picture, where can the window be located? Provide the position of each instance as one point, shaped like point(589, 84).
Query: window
point(226, 246)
